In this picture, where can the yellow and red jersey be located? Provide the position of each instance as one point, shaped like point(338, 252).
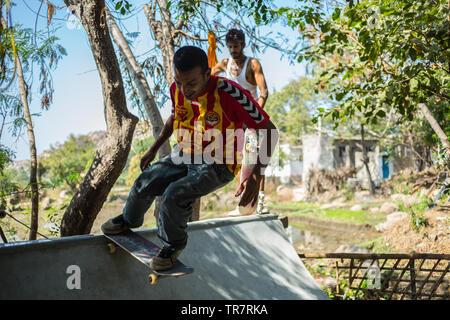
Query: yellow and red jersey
point(223, 107)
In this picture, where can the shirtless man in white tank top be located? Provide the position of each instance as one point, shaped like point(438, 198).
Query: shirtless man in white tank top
point(244, 70)
point(247, 72)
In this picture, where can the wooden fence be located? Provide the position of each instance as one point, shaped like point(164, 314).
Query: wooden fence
point(389, 276)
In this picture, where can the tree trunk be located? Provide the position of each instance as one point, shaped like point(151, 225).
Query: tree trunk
point(436, 127)
point(366, 162)
point(110, 157)
point(33, 153)
point(139, 79)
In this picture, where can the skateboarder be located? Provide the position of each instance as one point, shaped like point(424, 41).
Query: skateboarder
point(213, 111)
point(247, 72)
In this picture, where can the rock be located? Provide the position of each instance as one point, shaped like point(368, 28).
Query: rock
point(397, 197)
point(388, 207)
point(327, 283)
point(407, 199)
point(284, 193)
point(363, 196)
point(299, 194)
point(410, 200)
point(374, 210)
point(330, 283)
point(356, 207)
point(328, 206)
point(390, 220)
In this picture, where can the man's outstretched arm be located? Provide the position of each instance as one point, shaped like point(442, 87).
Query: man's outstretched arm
point(164, 135)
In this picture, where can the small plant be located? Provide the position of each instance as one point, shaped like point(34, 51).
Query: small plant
point(349, 195)
point(53, 217)
point(418, 219)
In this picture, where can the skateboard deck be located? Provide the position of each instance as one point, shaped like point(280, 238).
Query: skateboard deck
point(144, 251)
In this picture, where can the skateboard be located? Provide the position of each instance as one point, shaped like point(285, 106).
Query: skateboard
point(249, 160)
point(144, 251)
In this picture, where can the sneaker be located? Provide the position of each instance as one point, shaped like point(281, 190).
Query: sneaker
point(115, 225)
point(165, 259)
point(240, 211)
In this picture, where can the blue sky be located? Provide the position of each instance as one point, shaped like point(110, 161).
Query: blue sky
point(77, 106)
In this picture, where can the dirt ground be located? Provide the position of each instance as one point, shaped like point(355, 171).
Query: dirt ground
point(432, 238)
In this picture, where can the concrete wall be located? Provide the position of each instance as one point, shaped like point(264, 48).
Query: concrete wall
point(234, 258)
point(317, 154)
point(291, 169)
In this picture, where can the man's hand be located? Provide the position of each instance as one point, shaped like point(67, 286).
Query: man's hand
point(249, 188)
point(147, 159)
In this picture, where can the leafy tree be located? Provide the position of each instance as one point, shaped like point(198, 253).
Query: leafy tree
point(67, 163)
point(21, 48)
point(390, 54)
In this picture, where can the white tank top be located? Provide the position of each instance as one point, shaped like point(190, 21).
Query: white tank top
point(240, 78)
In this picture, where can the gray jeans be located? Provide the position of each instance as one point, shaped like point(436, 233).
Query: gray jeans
point(179, 184)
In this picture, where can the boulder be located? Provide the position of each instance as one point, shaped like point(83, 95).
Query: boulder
point(356, 207)
point(363, 196)
point(284, 194)
point(388, 207)
point(299, 194)
point(390, 220)
point(410, 200)
point(397, 197)
point(327, 283)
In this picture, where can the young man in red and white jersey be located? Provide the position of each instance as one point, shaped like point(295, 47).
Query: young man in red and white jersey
point(208, 116)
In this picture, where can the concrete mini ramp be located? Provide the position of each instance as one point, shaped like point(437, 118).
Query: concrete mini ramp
point(234, 258)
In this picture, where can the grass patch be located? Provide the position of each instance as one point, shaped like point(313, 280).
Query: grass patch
point(299, 209)
point(345, 215)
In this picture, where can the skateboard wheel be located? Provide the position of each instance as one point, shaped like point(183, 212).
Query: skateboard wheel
point(112, 248)
point(153, 278)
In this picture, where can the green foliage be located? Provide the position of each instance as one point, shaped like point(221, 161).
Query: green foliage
point(66, 163)
point(416, 212)
point(6, 187)
point(442, 159)
point(122, 6)
point(53, 217)
point(418, 220)
point(293, 107)
point(377, 57)
point(134, 169)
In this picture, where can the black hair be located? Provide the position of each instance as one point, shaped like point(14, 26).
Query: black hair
point(188, 57)
point(235, 35)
